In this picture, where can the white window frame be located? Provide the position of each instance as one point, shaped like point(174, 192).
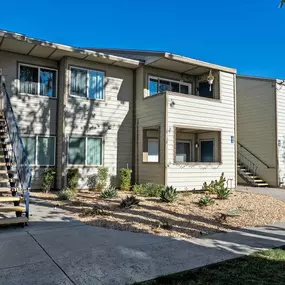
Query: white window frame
point(200, 151)
point(39, 67)
point(87, 83)
point(36, 147)
point(85, 154)
point(189, 84)
point(190, 150)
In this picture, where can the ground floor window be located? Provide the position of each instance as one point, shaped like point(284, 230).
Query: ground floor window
point(194, 145)
point(85, 151)
point(40, 150)
point(151, 144)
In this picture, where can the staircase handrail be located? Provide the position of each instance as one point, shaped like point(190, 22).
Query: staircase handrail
point(20, 155)
point(249, 151)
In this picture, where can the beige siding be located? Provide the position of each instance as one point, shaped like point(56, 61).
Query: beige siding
point(149, 112)
point(194, 112)
point(111, 119)
point(256, 123)
point(280, 96)
point(35, 114)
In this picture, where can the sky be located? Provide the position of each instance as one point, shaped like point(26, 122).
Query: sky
point(247, 35)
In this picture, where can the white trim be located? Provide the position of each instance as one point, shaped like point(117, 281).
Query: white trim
point(36, 149)
point(189, 84)
point(39, 67)
point(86, 145)
point(87, 83)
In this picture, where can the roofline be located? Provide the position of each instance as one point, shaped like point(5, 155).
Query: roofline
point(24, 38)
point(256, 77)
point(169, 56)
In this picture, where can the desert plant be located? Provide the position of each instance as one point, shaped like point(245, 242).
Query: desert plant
point(94, 211)
point(129, 202)
point(164, 224)
point(125, 178)
point(213, 186)
point(67, 194)
point(148, 189)
point(102, 178)
point(109, 193)
point(223, 193)
point(48, 178)
point(72, 178)
point(206, 201)
point(168, 194)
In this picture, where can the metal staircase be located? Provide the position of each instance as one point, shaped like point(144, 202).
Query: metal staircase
point(15, 172)
point(247, 169)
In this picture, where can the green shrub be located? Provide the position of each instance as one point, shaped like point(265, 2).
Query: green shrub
point(94, 211)
point(67, 194)
point(168, 194)
point(206, 201)
point(102, 178)
point(125, 178)
point(72, 178)
point(214, 185)
point(129, 202)
point(48, 178)
point(223, 193)
point(109, 193)
point(148, 189)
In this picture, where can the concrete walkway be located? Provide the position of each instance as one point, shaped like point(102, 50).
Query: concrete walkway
point(56, 249)
point(278, 193)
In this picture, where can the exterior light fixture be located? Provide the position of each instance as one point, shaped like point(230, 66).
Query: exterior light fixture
point(196, 145)
point(210, 80)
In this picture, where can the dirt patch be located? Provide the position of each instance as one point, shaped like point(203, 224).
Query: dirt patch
point(183, 218)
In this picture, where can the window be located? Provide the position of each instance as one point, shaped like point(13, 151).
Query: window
point(160, 85)
point(87, 83)
point(204, 90)
point(37, 80)
point(151, 145)
point(85, 151)
point(207, 150)
point(183, 151)
point(40, 150)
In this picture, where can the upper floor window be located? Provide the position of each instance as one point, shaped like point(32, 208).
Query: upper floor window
point(87, 83)
point(158, 85)
point(36, 80)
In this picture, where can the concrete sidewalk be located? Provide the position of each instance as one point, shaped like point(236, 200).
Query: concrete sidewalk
point(60, 250)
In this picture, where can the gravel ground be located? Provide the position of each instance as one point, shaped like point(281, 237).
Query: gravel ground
point(183, 218)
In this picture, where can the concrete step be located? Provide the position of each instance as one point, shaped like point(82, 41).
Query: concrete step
point(11, 221)
point(262, 184)
point(12, 209)
point(5, 190)
point(10, 199)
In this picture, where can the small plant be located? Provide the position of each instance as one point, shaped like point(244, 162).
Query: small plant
point(168, 194)
point(129, 202)
point(215, 185)
point(223, 193)
point(94, 211)
point(125, 178)
point(109, 193)
point(48, 178)
point(165, 225)
point(102, 178)
point(67, 194)
point(148, 189)
point(72, 178)
point(206, 201)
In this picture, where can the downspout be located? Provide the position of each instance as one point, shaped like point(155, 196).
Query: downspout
point(235, 128)
point(166, 140)
point(276, 135)
point(134, 138)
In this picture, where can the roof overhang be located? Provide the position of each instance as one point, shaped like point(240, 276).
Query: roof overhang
point(185, 65)
point(19, 43)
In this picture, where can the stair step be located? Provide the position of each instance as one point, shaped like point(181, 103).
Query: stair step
point(10, 199)
point(5, 190)
point(4, 180)
point(4, 171)
point(4, 163)
point(262, 184)
point(258, 181)
point(10, 221)
point(252, 177)
point(12, 209)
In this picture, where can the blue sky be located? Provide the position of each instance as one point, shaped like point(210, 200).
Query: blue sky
point(246, 34)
